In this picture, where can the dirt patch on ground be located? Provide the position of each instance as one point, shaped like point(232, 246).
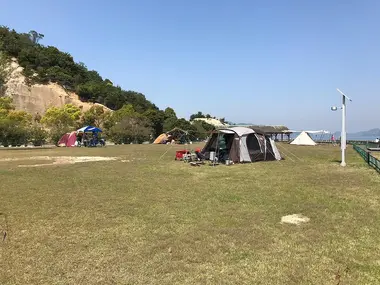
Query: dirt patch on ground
point(132, 159)
point(295, 219)
point(58, 160)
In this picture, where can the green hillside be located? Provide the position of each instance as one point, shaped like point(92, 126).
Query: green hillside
point(47, 64)
point(44, 64)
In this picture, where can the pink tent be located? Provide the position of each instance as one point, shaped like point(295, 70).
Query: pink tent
point(68, 139)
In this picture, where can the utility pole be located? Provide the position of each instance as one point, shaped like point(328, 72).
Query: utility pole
point(343, 139)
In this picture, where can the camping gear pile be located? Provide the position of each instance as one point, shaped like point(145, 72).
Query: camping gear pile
point(234, 145)
point(187, 155)
point(87, 136)
point(193, 157)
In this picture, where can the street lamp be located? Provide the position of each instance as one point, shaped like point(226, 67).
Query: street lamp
point(343, 141)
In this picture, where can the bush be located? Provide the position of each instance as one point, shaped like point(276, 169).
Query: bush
point(131, 129)
point(38, 136)
point(117, 135)
point(56, 134)
point(19, 136)
point(13, 134)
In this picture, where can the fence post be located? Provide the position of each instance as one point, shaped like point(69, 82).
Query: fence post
point(368, 156)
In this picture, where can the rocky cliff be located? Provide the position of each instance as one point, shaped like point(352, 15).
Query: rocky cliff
point(37, 98)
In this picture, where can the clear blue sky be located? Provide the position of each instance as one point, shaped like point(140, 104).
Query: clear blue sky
point(264, 62)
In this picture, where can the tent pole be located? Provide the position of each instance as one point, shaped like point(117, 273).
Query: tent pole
point(216, 149)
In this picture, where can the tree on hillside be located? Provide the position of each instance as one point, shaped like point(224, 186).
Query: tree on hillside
point(188, 127)
point(67, 116)
point(170, 113)
point(5, 71)
point(108, 82)
point(193, 130)
point(197, 115)
point(203, 128)
point(131, 129)
point(156, 119)
point(170, 119)
point(61, 120)
point(200, 115)
point(169, 124)
point(138, 100)
point(45, 64)
point(116, 117)
point(89, 90)
point(11, 42)
point(35, 37)
point(126, 125)
point(95, 116)
point(93, 76)
point(125, 111)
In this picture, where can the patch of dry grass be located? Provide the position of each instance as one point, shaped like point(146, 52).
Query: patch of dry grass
point(152, 221)
point(376, 154)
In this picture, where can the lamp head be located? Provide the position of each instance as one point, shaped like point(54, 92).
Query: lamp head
point(334, 108)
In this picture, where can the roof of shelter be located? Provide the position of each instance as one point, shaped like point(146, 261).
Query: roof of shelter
point(240, 131)
point(270, 129)
point(266, 129)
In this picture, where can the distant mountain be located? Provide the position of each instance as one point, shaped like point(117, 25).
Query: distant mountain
point(373, 132)
point(370, 133)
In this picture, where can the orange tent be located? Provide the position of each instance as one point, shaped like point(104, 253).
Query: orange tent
point(161, 139)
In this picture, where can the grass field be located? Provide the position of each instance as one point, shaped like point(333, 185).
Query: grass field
point(145, 220)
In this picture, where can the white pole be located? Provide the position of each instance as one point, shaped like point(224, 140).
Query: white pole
point(343, 135)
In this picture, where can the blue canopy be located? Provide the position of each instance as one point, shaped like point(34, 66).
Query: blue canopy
point(87, 129)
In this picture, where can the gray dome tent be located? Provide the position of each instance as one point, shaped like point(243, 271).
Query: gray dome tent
point(240, 144)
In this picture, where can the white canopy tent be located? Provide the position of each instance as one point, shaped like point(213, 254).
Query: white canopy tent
point(303, 139)
point(318, 135)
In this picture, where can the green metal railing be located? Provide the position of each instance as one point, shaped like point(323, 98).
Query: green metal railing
point(370, 159)
point(374, 162)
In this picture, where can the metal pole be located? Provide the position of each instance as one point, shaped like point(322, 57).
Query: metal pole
point(343, 135)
